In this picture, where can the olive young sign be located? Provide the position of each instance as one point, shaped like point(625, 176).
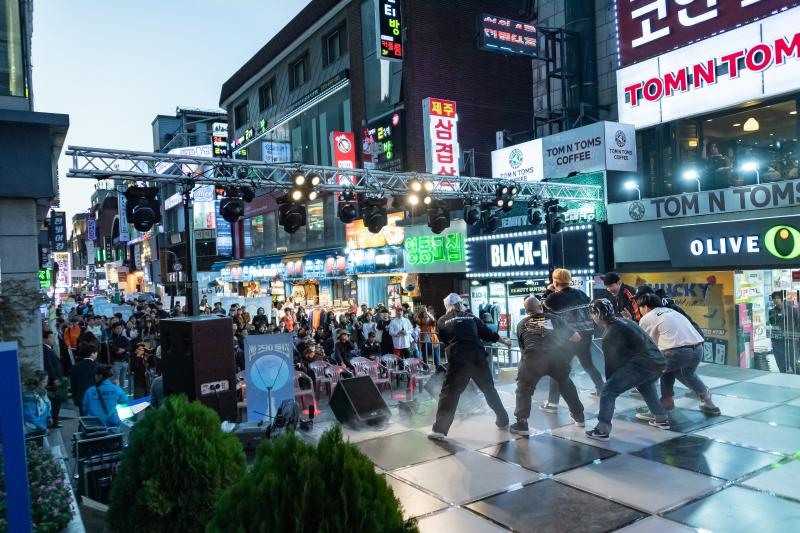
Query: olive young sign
point(766, 242)
point(754, 61)
point(596, 147)
point(764, 196)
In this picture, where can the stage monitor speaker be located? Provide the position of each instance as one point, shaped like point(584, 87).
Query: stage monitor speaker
point(358, 401)
point(198, 361)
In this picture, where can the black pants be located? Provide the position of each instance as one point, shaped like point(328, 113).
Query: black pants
point(455, 381)
point(532, 368)
point(55, 406)
point(779, 352)
point(583, 349)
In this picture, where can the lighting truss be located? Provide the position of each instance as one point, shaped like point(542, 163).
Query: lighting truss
point(123, 165)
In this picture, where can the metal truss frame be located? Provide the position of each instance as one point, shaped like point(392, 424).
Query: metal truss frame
point(123, 165)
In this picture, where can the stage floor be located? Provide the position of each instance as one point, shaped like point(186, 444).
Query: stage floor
point(731, 473)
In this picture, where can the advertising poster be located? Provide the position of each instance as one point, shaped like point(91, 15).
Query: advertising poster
point(268, 372)
point(358, 236)
point(707, 297)
point(343, 146)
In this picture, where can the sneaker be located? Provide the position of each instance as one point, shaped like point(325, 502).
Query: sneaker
point(520, 427)
point(501, 424)
point(660, 425)
point(435, 435)
point(548, 407)
point(580, 422)
point(710, 409)
point(596, 434)
point(645, 414)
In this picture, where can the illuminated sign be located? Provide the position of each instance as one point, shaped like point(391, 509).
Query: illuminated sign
point(646, 28)
point(731, 200)
point(343, 146)
point(64, 262)
point(58, 231)
point(508, 36)
point(430, 249)
point(375, 260)
point(91, 229)
point(767, 242)
point(390, 29)
point(382, 144)
point(441, 136)
point(357, 236)
point(45, 279)
point(219, 139)
point(752, 62)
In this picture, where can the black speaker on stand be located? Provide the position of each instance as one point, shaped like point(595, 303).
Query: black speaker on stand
point(357, 401)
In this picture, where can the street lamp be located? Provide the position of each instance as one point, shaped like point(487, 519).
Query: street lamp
point(751, 166)
point(692, 174)
point(631, 185)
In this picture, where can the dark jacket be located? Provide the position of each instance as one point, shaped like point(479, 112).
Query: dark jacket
point(542, 333)
point(52, 366)
point(572, 306)
point(116, 343)
point(625, 342)
point(368, 349)
point(259, 320)
point(343, 352)
point(81, 379)
point(461, 333)
point(626, 299)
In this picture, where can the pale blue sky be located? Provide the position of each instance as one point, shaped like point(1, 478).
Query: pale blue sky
point(113, 65)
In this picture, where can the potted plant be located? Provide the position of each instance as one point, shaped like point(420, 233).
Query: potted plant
point(297, 487)
point(177, 464)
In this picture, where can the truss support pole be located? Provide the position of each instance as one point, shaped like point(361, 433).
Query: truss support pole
point(191, 289)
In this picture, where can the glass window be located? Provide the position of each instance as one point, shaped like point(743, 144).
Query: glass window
point(240, 115)
point(298, 72)
point(12, 66)
point(316, 225)
point(266, 95)
point(335, 45)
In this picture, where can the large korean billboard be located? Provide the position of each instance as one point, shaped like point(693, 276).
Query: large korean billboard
point(440, 122)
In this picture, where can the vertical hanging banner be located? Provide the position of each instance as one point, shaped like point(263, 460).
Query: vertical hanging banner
point(442, 154)
point(91, 229)
point(344, 155)
point(269, 372)
point(219, 142)
point(64, 279)
point(390, 30)
point(58, 231)
point(122, 204)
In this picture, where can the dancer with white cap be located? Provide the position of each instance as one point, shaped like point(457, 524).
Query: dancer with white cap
point(461, 333)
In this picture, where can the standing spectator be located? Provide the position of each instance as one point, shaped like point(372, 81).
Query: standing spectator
point(428, 339)
point(572, 306)
point(276, 313)
point(288, 320)
point(400, 329)
point(632, 360)
point(624, 297)
point(55, 376)
point(71, 336)
point(149, 335)
point(82, 376)
point(141, 362)
point(131, 331)
point(118, 346)
point(783, 318)
point(368, 325)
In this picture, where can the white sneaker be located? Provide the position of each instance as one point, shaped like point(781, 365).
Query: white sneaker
point(579, 423)
point(435, 435)
point(548, 407)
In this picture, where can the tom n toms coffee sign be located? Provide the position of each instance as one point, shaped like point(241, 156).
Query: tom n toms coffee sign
point(766, 242)
point(763, 196)
point(600, 146)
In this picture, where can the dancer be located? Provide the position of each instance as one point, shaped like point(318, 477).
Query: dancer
point(624, 297)
point(632, 360)
point(572, 306)
point(461, 333)
point(543, 338)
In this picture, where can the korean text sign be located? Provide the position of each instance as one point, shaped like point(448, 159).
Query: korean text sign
point(441, 136)
point(343, 145)
point(390, 30)
point(268, 372)
point(508, 36)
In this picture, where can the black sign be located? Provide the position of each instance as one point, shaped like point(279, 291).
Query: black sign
point(765, 242)
point(383, 144)
point(527, 254)
point(58, 231)
point(44, 256)
point(525, 288)
point(508, 36)
point(390, 30)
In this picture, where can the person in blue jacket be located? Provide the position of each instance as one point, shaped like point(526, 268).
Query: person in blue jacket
point(102, 399)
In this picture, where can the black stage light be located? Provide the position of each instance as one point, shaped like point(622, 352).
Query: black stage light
point(472, 214)
point(248, 194)
point(291, 216)
point(373, 213)
point(438, 217)
point(241, 173)
point(231, 209)
point(555, 222)
point(348, 208)
point(491, 221)
point(142, 208)
point(535, 216)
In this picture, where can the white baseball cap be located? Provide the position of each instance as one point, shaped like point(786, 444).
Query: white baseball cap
point(452, 299)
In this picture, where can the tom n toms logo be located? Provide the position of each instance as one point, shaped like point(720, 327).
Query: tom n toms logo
point(781, 241)
point(620, 138)
point(515, 158)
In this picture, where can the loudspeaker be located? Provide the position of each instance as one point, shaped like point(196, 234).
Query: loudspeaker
point(358, 401)
point(198, 361)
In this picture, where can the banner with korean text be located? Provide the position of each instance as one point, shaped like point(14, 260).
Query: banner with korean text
point(268, 373)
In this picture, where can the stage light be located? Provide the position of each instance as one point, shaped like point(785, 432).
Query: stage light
point(231, 209)
point(142, 208)
point(438, 217)
point(514, 190)
point(472, 214)
point(296, 195)
point(415, 185)
point(241, 173)
point(428, 186)
point(347, 208)
point(427, 200)
point(313, 195)
point(373, 213)
point(291, 216)
point(413, 199)
point(299, 179)
point(248, 194)
point(535, 216)
point(491, 221)
point(314, 179)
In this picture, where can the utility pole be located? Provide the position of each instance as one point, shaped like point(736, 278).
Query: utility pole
point(192, 295)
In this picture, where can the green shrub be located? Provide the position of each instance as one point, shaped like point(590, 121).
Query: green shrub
point(49, 493)
point(177, 465)
point(296, 487)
